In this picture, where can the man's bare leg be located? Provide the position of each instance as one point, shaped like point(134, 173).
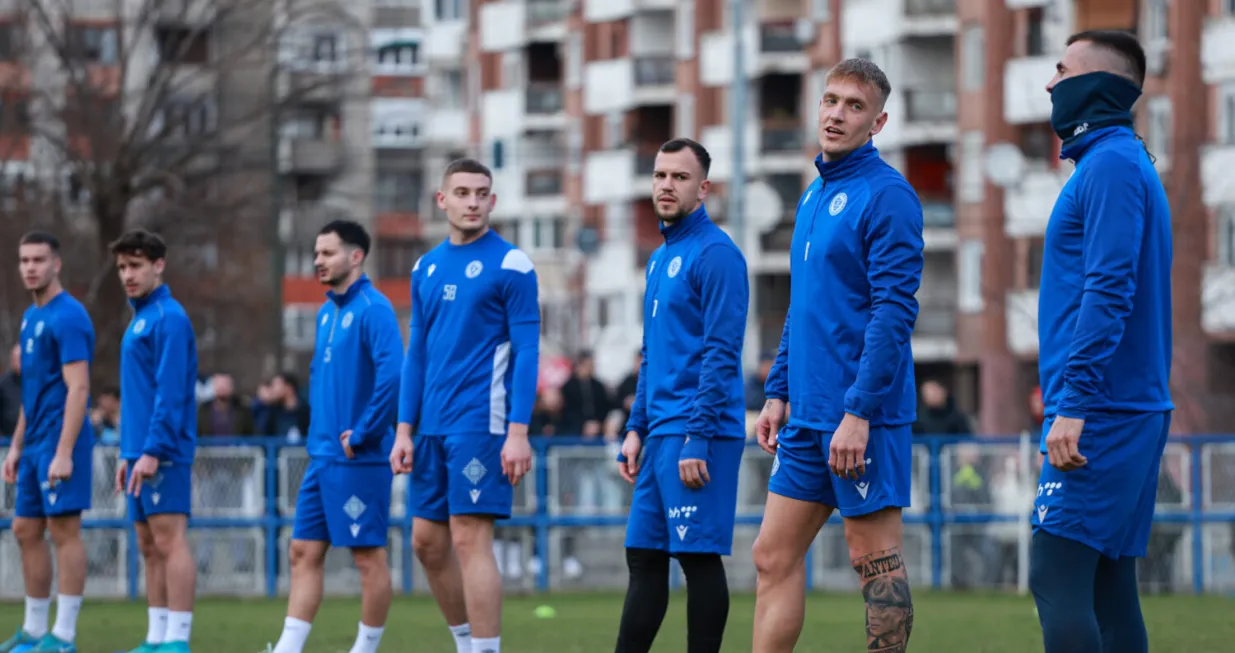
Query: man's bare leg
point(431, 541)
point(156, 583)
point(875, 542)
point(36, 571)
point(472, 537)
point(71, 561)
point(789, 526)
point(375, 593)
point(306, 559)
point(171, 539)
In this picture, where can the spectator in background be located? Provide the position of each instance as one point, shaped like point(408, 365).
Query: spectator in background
point(626, 389)
point(106, 416)
point(586, 402)
point(754, 383)
point(285, 413)
point(546, 413)
point(938, 414)
point(10, 392)
point(224, 414)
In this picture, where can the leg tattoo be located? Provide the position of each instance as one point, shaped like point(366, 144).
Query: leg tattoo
point(889, 607)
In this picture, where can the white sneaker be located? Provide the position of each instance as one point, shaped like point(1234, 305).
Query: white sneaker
point(572, 568)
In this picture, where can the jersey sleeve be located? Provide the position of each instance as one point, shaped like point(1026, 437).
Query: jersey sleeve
point(521, 293)
point(383, 344)
point(74, 337)
point(174, 347)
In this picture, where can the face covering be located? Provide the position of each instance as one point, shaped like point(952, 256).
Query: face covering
point(1091, 101)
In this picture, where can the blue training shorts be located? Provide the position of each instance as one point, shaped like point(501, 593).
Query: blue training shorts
point(1109, 503)
point(168, 492)
point(665, 515)
point(347, 505)
point(37, 498)
point(801, 470)
point(459, 475)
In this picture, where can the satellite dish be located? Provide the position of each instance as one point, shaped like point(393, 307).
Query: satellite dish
point(587, 240)
point(764, 207)
point(1004, 164)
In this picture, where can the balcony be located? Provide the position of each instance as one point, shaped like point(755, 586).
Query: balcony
point(310, 156)
point(1218, 299)
point(1027, 206)
point(609, 176)
point(929, 8)
point(654, 71)
point(1218, 50)
point(543, 12)
point(396, 14)
point(544, 99)
point(543, 183)
point(645, 163)
point(1022, 322)
point(780, 140)
point(1025, 99)
point(1217, 162)
point(930, 106)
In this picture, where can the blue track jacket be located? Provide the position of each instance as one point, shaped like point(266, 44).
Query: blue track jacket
point(158, 381)
point(856, 266)
point(694, 323)
point(473, 358)
point(354, 382)
point(1104, 304)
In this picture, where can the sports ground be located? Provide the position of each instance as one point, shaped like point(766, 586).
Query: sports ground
point(586, 623)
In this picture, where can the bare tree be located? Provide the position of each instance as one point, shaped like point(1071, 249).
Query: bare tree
point(167, 114)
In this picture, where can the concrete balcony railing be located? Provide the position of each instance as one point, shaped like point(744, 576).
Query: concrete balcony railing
point(544, 99)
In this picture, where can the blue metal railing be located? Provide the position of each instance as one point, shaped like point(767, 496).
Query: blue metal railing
point(543, 519)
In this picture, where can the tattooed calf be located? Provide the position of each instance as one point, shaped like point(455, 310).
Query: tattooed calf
point(889, 606)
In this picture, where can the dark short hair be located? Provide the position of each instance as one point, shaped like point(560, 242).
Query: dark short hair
point(350, 232)
point(1119, 43)
point(140, 242)
point(863, 71)
point(42, 238)
point(700, 152)
point(466, 165)
point(290, 379)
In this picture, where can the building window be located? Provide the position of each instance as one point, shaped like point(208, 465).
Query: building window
point(401, 58)
point(397, 191)
point(1154, 20)
point(686, 29)
point(549, 233)
point(971, 184)
point(1226, 236)
point(185, 118)
point(396, 256)
point(299, 326)
point(1035, 38)
point(973, 57)
point(686, 115)
point(445, 10)
point(1228, 7)
point(1158, 133)
point(1033, 271)
point(1226, 113)
point(499, 151)
point(95, 44)
point(969, 276)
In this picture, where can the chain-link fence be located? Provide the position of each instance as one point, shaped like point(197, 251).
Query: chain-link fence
point(968, 527)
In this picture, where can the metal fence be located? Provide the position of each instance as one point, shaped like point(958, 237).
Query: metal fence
point(968, 527)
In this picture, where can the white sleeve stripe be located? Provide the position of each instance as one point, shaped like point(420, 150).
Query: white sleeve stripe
point(518, 261)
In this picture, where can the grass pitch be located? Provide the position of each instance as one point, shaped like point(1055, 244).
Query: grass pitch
point(587, 623)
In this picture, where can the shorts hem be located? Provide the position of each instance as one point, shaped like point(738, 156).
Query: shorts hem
point(799, 496)
point(439, 517)
point(703, 551)
point(496, 513)
point(1078, 538)
point(863, 511)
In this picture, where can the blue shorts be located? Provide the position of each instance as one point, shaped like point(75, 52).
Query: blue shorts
point(1109, 503)
point(459, 475)
point(169, 492)
point(37, 498)
point(346, 505)
point(665, 515)
point(801, 470)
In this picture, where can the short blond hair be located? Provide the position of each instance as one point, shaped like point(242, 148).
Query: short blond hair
point(863, 71)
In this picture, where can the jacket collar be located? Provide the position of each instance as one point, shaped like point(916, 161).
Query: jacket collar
point(356, 288)
point(1083, 143)
point(849, 165)
point(676, 231)
point(161, 292)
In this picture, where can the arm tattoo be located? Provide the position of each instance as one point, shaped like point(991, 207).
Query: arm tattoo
point(889, 607)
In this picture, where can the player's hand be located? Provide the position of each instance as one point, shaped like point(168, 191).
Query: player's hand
point(122, 468)
point(61, 468)
point(344, 439)
point(771, 418)
point(10, 466)
point(145, 467)
point(694, 473)
point(847, 455)
point(1063, 444)
point(631, 447)
point(401, 454)
point(516, 453)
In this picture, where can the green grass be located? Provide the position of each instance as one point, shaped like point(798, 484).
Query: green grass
point(587, 623)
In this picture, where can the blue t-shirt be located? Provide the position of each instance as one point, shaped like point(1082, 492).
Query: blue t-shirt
point(53, 335)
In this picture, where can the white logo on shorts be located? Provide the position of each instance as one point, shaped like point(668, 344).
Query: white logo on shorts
point(775, 465)
point(475, 494)
point(1042, 513)
point(355, 529)
point(474, 471)
point(682, 532)
point(354, 507)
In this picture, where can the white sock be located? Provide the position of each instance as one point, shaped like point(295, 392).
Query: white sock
point(157, 631)
point(295, 633)
point(367, 639)
point(36, 616)
point(488, 645)
point(67, 608)
point(179, 626)
point(463, 638)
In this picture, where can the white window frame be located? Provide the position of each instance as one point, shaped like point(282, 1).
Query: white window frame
point(969, 258)
point(1158, 131)
point(1226, 111)
point(1155, 34)
point(970, 178)
point(1225, 228)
